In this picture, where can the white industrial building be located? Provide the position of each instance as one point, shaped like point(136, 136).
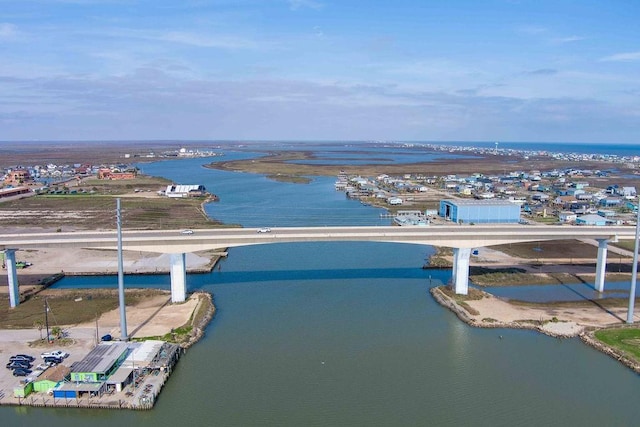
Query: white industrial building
point(174, 190)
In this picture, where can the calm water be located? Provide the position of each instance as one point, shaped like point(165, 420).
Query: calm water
point(346, 334)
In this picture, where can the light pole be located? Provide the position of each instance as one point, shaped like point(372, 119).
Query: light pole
point(123, 315)
point(46, 317)
point(634, 268)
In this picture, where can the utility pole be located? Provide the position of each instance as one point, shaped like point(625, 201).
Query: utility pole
point(123, 314)
point(634, 269)
point(46, 317)
point(97, 333)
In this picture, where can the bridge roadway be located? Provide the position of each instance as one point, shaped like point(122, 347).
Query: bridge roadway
point(462, 238)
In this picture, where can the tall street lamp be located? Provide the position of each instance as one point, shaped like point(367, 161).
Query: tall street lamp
point(634, 268)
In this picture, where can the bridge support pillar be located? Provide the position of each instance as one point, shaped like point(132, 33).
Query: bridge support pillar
point(12, 276)
point(178, 278)
point(601, 265)
point(461, 270)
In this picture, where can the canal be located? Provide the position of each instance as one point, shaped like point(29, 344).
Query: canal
point(346, 334)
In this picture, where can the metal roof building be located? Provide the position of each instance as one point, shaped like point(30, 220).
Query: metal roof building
point(471, 211)
point(174, 190)
point(101, 362)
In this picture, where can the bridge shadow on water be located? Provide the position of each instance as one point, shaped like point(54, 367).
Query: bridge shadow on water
point(222, 277)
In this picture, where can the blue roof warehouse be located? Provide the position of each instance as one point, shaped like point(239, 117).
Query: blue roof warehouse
point(469, 211)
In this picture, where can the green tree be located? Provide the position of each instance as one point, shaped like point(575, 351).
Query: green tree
point(56, 331)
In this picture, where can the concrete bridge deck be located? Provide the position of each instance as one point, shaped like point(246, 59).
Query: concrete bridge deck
point(462, 238)
point(174, 241)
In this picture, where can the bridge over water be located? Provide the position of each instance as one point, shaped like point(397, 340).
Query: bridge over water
point(462, 238)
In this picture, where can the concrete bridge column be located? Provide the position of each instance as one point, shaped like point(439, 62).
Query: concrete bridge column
point(12, 275)
point(461, 270)
point(601, 265)
point(178, 278)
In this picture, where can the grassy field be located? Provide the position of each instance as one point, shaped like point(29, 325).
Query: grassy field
point(557, 249)
point(67, 307)
point(94, 203)
point(274, 163)
point(626, 340)
point(629, 245)
point(513, 276)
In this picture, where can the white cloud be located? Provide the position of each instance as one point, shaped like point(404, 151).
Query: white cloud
point(569, 39)
point(8, 31)
point(623, 57)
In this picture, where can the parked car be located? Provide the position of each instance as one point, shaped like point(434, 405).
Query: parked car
point(52, 360)
point(43, 366)
point(21, 358)
point(107, 337)
point(55, 353)
point(18, 364)
point(21, 372)
point(26, 356)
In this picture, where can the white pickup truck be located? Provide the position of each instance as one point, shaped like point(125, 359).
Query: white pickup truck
point(55, 353)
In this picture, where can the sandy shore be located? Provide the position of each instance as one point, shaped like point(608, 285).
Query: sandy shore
point(556, 320)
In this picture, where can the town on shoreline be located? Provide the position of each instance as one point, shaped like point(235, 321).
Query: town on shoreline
point(481, 309)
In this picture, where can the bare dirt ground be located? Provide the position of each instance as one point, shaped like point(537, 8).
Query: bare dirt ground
point(156, 316)
point(570, 320)
point(46, 262)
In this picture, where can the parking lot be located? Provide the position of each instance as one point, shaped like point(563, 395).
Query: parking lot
point(14, 342)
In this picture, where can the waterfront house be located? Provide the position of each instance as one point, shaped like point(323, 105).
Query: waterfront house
point(628, 192)
point(591, 220)
point(610, 202)
point(17, 177)
point(567, 216)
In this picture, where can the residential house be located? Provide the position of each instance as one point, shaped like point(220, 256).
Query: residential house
point(591, 220)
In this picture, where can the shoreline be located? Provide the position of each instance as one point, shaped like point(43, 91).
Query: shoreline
point(151, 319)
point(557, 327)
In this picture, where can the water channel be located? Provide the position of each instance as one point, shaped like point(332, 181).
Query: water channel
point(346, 334)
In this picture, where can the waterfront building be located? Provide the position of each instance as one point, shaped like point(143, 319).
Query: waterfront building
point(50, 378)
point(591, 220)
point(480, 211)
point(16, 191)
point(410, 217)
point(100, 363)
point(174, 190)
point(567, 216)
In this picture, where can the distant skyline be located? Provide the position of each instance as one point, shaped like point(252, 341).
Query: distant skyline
point(407, 70)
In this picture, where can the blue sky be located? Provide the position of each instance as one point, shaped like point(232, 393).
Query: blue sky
point(426, 70)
